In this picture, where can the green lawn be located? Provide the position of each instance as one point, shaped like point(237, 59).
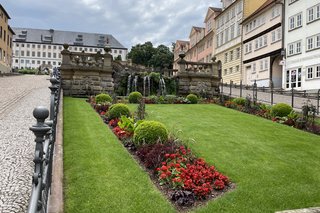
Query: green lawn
point(100, 175)
point(275, 167)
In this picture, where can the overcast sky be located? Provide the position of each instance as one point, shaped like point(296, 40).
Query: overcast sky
point(129, 21)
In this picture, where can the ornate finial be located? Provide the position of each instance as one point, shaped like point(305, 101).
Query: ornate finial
point(182, 54)
point(65, 46)
point(40, 113)
point(107, 48)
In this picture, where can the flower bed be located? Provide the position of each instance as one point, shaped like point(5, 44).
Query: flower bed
point(186, 180)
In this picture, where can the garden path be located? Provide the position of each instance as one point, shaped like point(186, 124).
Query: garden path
point(19, 95)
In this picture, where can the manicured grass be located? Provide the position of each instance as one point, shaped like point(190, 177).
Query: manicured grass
point(275, 167)
point(100, 175)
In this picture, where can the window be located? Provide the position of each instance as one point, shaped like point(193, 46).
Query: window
point(33, 54)
point(49, 47)
point(318, 71)
point(54, 47)
point(225, 72)
point(261, 65)
point(49, 55)
point(33, 46)
point(230, 70)
point(33, 62)
point(253, 67)
point(237, 68)
point(275, 12)
point(295, 21)
point(54, 55)
point(44, 46)
point(225, 57)
point(22, 53)
point(38, 54)
point(43, 54)
point(232, 31)
point(294, 48)
point(28, 45)
point(231, 55)
point(38, 62)
point(54, 63)
point(313, 13)
point(309, 43)
point(292, 1)
point(39, 46)
point(28, 53)
point(238, 51)
point(310, 72)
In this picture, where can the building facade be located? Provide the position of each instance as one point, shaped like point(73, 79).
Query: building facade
point(228, 40)
point(33, 48)
point(201, 40)
point(262, 46)
point(6, 34)
point(302, 41)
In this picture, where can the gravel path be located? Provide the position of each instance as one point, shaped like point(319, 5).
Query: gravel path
point(19, 95)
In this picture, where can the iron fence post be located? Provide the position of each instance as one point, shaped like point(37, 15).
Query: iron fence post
point(230, 94)
point(39, 129)
point(241, 89)
point(292, 97)
point(271, 86)
point(318, 100)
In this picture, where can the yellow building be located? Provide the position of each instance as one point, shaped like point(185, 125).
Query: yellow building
point(6, 34)
point(228, 51)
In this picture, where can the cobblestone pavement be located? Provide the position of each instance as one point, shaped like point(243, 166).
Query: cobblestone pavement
point(19, 95)
point(265, 97)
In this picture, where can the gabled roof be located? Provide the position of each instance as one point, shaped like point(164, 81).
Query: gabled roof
point(196, 29)
point(5, 12)
point(52, 36)
point(265, 5)
point(210, 11)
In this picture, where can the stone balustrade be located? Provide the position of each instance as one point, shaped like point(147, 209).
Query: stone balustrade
point(197, 77)
point(86, 73)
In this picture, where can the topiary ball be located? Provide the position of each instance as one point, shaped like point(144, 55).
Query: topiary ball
point(102, 98)
point(134, 97)
point(116, 110)
point(281, 110)
point(150, 132)
point(192, 98)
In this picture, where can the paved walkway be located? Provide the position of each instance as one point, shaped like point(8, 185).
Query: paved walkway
point(19, 95)
point(265, 97)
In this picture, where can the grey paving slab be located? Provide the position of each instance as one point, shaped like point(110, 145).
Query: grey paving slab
point(19, 95)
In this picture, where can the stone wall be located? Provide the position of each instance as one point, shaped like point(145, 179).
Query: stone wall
point(85, 73)
point(198, 78)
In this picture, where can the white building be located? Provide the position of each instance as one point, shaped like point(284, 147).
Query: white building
point(302, 42)
point(262, 45)
point(35, 47)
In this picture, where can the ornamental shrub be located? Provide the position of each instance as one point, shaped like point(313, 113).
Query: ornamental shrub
point(116, 110)
point(102, 98)
point(281, 110)
point(134, 97)
point(192, 98)
point(150, 132)
point(239, 101)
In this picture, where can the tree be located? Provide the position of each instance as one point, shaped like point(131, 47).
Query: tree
point(142, 53)
point(118, 58)
point(162, 57)
point(145, 54)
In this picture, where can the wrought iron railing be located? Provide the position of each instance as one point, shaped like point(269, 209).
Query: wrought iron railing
point(45, 132)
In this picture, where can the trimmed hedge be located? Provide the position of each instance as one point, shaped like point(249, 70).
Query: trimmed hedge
point(150, 132)
point(116, 110)
point(134, 97)
point(102, 98)
point(281, 110)
point(192, 98)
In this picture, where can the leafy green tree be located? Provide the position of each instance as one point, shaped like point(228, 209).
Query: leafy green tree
point(145, 54)
point(142, 53)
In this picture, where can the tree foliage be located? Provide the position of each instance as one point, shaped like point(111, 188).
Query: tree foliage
point(147, 55)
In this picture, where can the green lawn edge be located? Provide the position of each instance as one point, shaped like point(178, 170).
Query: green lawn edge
point(99, 174)
point(274, 167)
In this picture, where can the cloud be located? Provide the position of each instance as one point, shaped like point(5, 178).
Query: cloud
point(131, 22)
